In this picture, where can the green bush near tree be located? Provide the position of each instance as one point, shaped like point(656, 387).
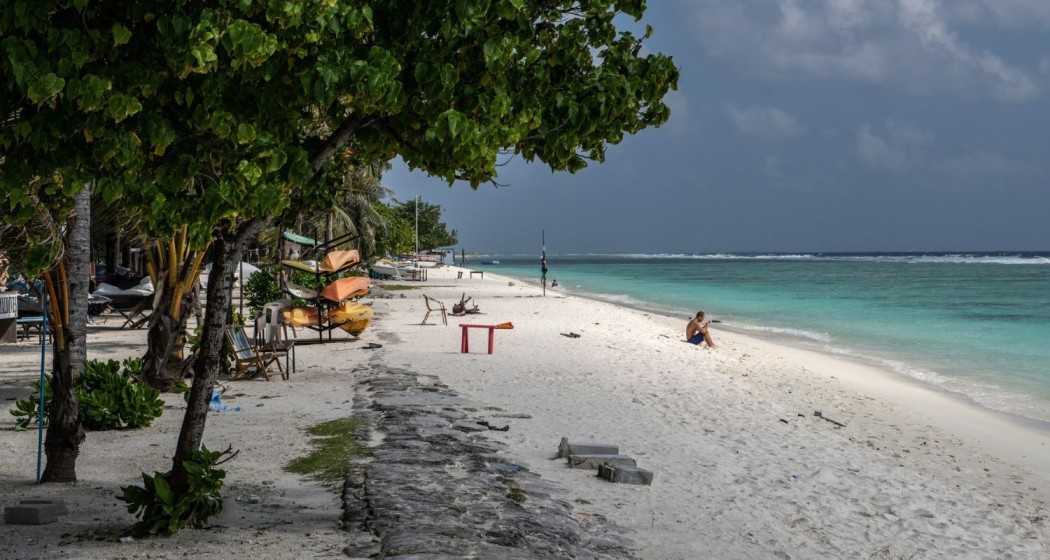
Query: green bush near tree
point(161, 512)
point(260, 289)
point(112, 397)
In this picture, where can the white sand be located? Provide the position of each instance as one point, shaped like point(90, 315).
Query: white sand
point(915, 473)
point(268, 513)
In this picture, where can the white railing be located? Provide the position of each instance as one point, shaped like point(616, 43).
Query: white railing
point(9, 305)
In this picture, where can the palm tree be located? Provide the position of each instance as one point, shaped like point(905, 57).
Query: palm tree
point(344, 200)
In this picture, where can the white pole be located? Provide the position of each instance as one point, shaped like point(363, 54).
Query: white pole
point(418, 198)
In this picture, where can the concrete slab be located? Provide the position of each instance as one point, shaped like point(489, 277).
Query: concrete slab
point(593, 461)
point(30, 514)
point(625, 474)
point(566, 448)
point(59, 506)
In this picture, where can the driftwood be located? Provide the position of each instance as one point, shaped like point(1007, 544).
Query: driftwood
point(820, 415)
point(462, 309)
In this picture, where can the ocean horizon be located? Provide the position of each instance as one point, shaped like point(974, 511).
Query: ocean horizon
point(976, 324)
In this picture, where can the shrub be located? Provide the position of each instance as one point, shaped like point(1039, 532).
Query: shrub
point(112, 397)
point(111, 394)
point(160, 511)
point(26, 411)
point(260, 289)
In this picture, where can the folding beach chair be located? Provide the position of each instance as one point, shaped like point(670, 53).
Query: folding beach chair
point(433, 306)
point(245, 356)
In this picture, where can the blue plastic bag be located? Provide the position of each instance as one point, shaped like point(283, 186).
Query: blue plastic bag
point(217, 405)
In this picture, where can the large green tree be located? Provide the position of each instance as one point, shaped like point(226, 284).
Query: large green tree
point(432, 232)
point(212, 114)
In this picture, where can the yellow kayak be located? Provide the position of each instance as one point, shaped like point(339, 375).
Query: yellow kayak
point(351, 317)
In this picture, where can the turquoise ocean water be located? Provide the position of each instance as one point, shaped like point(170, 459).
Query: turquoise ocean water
point(974, 324)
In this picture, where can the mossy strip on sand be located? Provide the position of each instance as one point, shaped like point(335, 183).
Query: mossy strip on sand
point(334, 445)
point(399, 287)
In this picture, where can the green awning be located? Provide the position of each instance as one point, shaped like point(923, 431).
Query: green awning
point(300, 239)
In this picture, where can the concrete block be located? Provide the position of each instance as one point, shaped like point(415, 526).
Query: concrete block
point(625, 474)
point(30, 514)
point(59, 506)
point(566, 448)
point(593, 461)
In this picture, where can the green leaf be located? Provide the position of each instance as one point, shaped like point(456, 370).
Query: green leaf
point(163, 490)
point(122, 106)
point(121, 35)
point(45, 87)
point(245, 133)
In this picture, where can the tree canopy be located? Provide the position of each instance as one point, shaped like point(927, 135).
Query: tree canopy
point(197, 113)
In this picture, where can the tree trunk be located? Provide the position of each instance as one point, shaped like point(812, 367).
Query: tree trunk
point(226, 253)
point(162, 364)
point(174, 269)
point(64, 432)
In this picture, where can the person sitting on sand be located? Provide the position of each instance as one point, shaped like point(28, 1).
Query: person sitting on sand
point(697, 331)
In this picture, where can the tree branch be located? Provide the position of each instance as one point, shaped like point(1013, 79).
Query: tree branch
point(333, 143)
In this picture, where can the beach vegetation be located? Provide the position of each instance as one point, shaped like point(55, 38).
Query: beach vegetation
point(399, 287)
point(163, 511)
point(260, 289)
point(334, 444)
point(399, 233)
point(111, 394)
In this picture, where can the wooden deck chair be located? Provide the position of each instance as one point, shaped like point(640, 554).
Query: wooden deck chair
point(433, 306)
point(245, 356)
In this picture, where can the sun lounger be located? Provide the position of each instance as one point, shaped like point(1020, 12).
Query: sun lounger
point(132, 303)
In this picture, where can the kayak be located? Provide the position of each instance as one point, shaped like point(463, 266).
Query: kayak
point(351, 317)
point(346, 288)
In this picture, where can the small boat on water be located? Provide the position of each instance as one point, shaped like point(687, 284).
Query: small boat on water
point(492, 262)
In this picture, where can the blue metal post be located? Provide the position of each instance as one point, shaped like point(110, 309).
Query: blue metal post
point(43, 380)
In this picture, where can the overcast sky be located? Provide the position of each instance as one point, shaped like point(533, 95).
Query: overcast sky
point(805, 125)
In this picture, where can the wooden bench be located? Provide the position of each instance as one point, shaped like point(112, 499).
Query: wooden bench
point(464, 344)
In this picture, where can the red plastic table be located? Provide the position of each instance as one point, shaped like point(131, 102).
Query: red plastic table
point(464, 344)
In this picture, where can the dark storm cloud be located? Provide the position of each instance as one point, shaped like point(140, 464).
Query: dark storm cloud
point(806, 125)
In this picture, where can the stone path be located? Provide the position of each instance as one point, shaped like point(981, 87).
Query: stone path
point(436, 488)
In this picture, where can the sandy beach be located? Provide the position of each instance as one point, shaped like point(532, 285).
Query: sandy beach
point(744, 468)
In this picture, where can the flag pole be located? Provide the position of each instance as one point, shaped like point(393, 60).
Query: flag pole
point(418, 198)
point(543, 260)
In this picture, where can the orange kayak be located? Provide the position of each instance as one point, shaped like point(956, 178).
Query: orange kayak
point(346, 288)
